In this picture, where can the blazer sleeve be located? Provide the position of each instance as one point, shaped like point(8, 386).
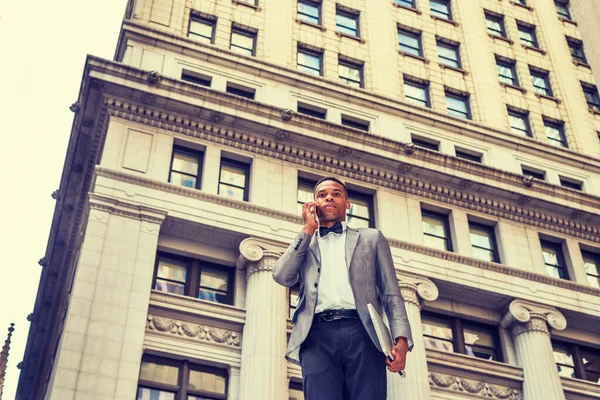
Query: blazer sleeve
point(391, 298)
point(288, 268)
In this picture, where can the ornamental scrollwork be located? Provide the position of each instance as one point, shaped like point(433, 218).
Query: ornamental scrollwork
point(193, 331)
point(481, 389)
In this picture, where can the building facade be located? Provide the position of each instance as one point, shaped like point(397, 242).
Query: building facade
point(466, 130)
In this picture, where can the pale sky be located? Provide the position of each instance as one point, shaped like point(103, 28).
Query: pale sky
point(43, 45)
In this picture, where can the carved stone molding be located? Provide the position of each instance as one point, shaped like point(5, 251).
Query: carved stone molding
point(409, 148)
point(286, 114)
point(193, 331)
point(376, 176)
point(134, 211)
point(526, 316)
point(267, 263)
point(74, 107)
point(153, 77)
point(476, 388)
point(416, 289)
point(257, 254)
point(282, 135)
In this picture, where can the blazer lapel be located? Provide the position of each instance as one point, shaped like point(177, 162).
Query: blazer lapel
point(352, 236)
point(314, 248)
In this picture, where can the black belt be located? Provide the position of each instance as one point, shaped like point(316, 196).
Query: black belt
point(334, 315)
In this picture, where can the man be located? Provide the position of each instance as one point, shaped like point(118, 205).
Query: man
point(340, 271)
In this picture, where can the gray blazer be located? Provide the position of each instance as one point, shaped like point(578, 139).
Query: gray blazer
point(372, 278)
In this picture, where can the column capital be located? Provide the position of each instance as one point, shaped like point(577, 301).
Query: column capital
point(417, 289)
point(258, 254)
point(532, 317)
point(125, 209)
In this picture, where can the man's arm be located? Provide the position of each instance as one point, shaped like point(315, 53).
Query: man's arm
point(287, 268)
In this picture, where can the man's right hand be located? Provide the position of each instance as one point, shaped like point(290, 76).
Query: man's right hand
point(310, 223)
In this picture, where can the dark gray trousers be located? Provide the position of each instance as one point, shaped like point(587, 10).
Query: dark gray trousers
point(340, 362)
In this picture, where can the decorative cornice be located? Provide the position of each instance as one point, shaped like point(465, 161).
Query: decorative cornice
point(257, 254)
point(192, 306)
point(192, 331)
point(526, 316)
point(468, 364)
point(128, 210)
point(265, 264)
point(415, 288)
point(474, 388)
point(353, 170)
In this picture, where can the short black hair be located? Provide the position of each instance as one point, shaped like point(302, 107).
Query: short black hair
point(331, 178)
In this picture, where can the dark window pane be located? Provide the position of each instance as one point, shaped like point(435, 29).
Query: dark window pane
point(479, 342)
point(591, 363)
point(406, 3)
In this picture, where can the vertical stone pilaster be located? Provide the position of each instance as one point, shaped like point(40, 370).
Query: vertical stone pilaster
point(529, 324)
point(416, 384)
point(263, 372)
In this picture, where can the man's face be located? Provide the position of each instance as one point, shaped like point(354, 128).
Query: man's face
point(331, 202)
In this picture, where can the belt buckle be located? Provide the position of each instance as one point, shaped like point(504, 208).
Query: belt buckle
point(330, 316)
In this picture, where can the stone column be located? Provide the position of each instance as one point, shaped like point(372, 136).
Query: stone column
point(263, 373)
point(529, 323)
point(416, 384)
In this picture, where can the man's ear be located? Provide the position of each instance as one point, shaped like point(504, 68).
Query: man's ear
point(348, 205)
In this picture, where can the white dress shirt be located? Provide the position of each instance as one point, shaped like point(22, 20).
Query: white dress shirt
point(334, 290)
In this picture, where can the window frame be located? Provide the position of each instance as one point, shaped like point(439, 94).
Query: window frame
point(595, 256)
point(413, 35)
point(193, 275)
point(315, 4)
point(240, 90)
point(464, 98)
point(402, 3)
point(415, 83)
point(498, 19)
point(560, 258)
point(314, 53)
point(196, 153)
point(522, 115)
point(510, 65)
point(441, 15)
point(206, 20)
point(468, 155)
point(575, 46)
point(351, 64)
point(458, 334)
point(445, 219)
point(243, 32)
point(492, 235)
point(355, 123)
point(184, 368)
point(533, 172)
point(523, 27)
point(312, 110)
point(350, 14)
point(592, 97)
point(577, 356)
point(566, 14)
point(241, 164)
point(425, 143)
point(570, 183)
point(560, 127)
point(543, 75)
point(454, 47)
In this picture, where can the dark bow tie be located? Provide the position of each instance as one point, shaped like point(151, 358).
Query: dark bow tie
point(337, 228)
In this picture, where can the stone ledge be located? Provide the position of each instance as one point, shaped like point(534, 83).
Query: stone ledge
point(462, 362)
point(581, 387)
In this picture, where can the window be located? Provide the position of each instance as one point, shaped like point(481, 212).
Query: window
point(416, 92)
point(186, 167)
point(347, 23)
point(194, 278)
point(468, 155)
point(562, 8)
point(309, 61)
point(406, 3)
point(527, 35)
point(536, 173)
point(165, 379)
point(576, 48)
point(410, 42)
point(350, 73)
point(576, 361)
point(448, 54)
point(425, 143)
point(495, 24)
point(459, 336)
point(233, 179)
point(360, 214)
point(519, 123)
point(483, 242)
point(591, 263)
point(506, 71)
point(436, 230)
point(202, 29)
point(240, 90)
point(355, 123)
point(440, 9)
point(458, 105)
point(196, 78)
point(555, 133)
point(294, 293)
point(312, 110)
point(309, 12)
point(296, 392)
point(541, 81)
point(554, 260)
point(591, 96)
point(243, 41)
point(570, 183)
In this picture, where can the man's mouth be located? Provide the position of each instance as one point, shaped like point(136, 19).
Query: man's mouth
point(329, 206)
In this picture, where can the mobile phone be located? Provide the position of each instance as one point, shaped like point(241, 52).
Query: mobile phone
point(314, 213)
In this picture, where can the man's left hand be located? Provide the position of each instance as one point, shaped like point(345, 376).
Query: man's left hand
point(399, 353)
